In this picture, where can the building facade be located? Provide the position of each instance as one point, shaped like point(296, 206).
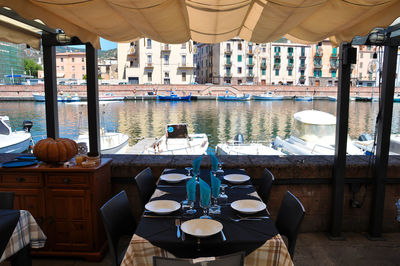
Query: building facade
point(150, 62)
point(108, 69)
point(71, 65)
point(236, 62)
point(12, 70)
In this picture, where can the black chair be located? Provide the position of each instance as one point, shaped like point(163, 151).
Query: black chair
point(236, 259)
point(118, 221)
point(290, 215)
point(146, 185)
point(6, 200)
point(265, 185)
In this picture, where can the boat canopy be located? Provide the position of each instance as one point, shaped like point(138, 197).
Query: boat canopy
point(5, 127)
point(177, 131)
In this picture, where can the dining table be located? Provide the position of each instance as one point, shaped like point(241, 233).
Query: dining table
point(19, 232)
point(156, 235)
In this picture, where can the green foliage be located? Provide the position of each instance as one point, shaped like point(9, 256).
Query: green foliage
point(31, 68)
point(85, 77)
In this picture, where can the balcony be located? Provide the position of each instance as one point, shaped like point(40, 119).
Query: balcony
point(290, 56)
point(334, 65)
point(318, 53)
point(290, 66)
point(250, 63)
point(228, 75)
point(228, 51)
point(302, 78)
point(334, 56)
point(302, 67)
point(277, 54)
point(250, 52)
point(302, 56)
point(228, 63)
point(277, 65)
point(250, 74)
point(166, 48)
point(149, 65)
point(317, 65)
point(185, 65)
point(263, 65)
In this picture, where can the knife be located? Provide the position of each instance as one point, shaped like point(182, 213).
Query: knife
point(223, 236)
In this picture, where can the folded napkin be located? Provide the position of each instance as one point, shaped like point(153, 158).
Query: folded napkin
point(214, 162)
point(191, 189)
point(205, 193)
point(196, 165)
point(215, 185)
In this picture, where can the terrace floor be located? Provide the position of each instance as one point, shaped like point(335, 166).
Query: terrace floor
point(311, 249)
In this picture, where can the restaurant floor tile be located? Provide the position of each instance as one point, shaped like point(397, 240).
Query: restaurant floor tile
point(311, 249)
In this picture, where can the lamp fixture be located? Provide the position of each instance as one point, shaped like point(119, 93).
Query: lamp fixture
point(377, 36)
point(63, 38)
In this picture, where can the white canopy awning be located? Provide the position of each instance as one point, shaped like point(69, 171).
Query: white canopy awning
point(210, 21)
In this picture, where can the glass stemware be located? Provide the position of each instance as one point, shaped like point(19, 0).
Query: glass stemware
point(223, 198)
point(214, 208)
point(205, 210)
point(189, 171)
point(188, 207)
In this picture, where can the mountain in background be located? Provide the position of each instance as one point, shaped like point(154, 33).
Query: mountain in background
point(102, 54)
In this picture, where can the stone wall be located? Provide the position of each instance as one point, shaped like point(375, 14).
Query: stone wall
point(307, 177)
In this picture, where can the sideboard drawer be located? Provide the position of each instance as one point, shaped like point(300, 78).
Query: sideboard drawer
point(67, 180)
point(21, 179)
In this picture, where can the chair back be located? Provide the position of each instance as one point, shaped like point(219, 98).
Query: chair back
point(6, 200)
point(146, 185)
point(118, 221)
point(265, 185)
point(236, 259)
point(290, 215)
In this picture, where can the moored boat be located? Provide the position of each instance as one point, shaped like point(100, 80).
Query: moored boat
point(110, 142)
point(246, 97)
point(14, 141)
point(268, 96)
point(237, 146)
point(60, 98)
point(174, 97)
point(304, 98)
point(109, 96)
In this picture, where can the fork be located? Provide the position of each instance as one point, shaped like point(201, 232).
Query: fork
point(246, 219)
point(178, 230)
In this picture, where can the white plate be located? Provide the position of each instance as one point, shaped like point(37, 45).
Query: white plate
point(173, 178)
point(162, 206)
point(248, 206)
point(236, 178)
point(201, 227)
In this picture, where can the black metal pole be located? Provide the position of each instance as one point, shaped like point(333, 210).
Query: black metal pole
point(92, 99)
point(384, 125)
point(50, 86)
point(346, 58)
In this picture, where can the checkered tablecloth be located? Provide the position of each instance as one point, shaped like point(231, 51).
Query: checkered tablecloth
point(26, 232)
point(274, 252)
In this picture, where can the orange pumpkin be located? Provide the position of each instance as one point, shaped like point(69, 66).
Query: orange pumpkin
point(55, 151)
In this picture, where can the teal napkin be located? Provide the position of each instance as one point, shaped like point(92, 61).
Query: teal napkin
point(215, 185)
point(205, 193)
point(191, 189)
point(214, 162)
point(196, 165)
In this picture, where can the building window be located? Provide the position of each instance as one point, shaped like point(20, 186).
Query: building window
point(333, 73)
point(62, 59)
point(149, 76)
point(290, 50)
point(303, 51)
point(83, 68)
point(263, 72)
point(73, 59)
point(277, 49)
point(228, 46)
point(289, 72)
point(276, 72)
point(239, 70)
point(361, 64)
point(361, 55)
point(62, 67)
point(131, 64)
point(264, 49)
point(183, 76)
point(166, 59)
point(183, 46)
point(148, 43)
point(371, 55)
point(166, 74)
point(240, 46)
point(149, 58)
point(73, 76)
point(240, 58)
point(360, 76)
point(83, 59)
point(183, 60)
point(73, 68)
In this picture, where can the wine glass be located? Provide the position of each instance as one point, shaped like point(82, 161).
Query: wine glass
point(189, 171)
point(187, 206)
point(223, 198)
point(215, 208)
point(205, 206)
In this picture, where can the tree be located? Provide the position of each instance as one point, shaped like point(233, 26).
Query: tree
point(31, 68)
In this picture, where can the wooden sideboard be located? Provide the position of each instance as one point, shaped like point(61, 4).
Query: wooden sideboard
point(65, 202)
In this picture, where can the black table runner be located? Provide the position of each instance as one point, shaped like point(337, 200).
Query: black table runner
point(8, 222)
point(240, 236)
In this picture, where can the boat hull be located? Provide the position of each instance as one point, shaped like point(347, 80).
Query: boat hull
point(110, 142)
point(267, 98)
point(15, 143)
point(234, 98)
point(304, 99)
point(173, 98)
point(60, 98)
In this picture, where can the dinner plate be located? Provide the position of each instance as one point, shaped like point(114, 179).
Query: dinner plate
point(173, 178)
point(18, 163)
point(201, 227)
point(236, 178)
point(162, 206)
point(26, 158)
point(248, 206)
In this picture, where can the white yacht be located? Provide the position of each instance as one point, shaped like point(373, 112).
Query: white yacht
point(110, 142)
point(313, 134)
point(176, 141)
point(14, 142)
point(237, 146)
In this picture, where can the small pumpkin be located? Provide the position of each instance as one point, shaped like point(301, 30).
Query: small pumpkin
point(55, 150)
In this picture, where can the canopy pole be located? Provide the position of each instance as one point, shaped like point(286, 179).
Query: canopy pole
point(50, 86)
point(346, 58)
point(384, 125)
point(92, 99)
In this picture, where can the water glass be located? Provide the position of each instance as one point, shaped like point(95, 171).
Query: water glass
point(223, 198)
point(205, 211)
point(187, 207)
point(189, 171)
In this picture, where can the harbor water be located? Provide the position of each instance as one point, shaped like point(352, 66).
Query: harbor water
point(221, 121)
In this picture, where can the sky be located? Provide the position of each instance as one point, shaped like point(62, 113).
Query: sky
point(107, 45)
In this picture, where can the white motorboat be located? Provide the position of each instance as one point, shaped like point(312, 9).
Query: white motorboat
point(60, 98)
point(237, 146)
point(14, 142)
point(176, 141)
point(109, 96)
point(313, 134)
point(268, 96)
point(110, 142)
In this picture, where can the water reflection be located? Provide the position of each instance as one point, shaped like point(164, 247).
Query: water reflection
point(221, 121)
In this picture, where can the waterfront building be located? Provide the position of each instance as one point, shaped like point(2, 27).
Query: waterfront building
point(236, 62)
point(108, 68)
point(12, 70)
point(71, 65)
point(149, 62)
point(366, 71)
